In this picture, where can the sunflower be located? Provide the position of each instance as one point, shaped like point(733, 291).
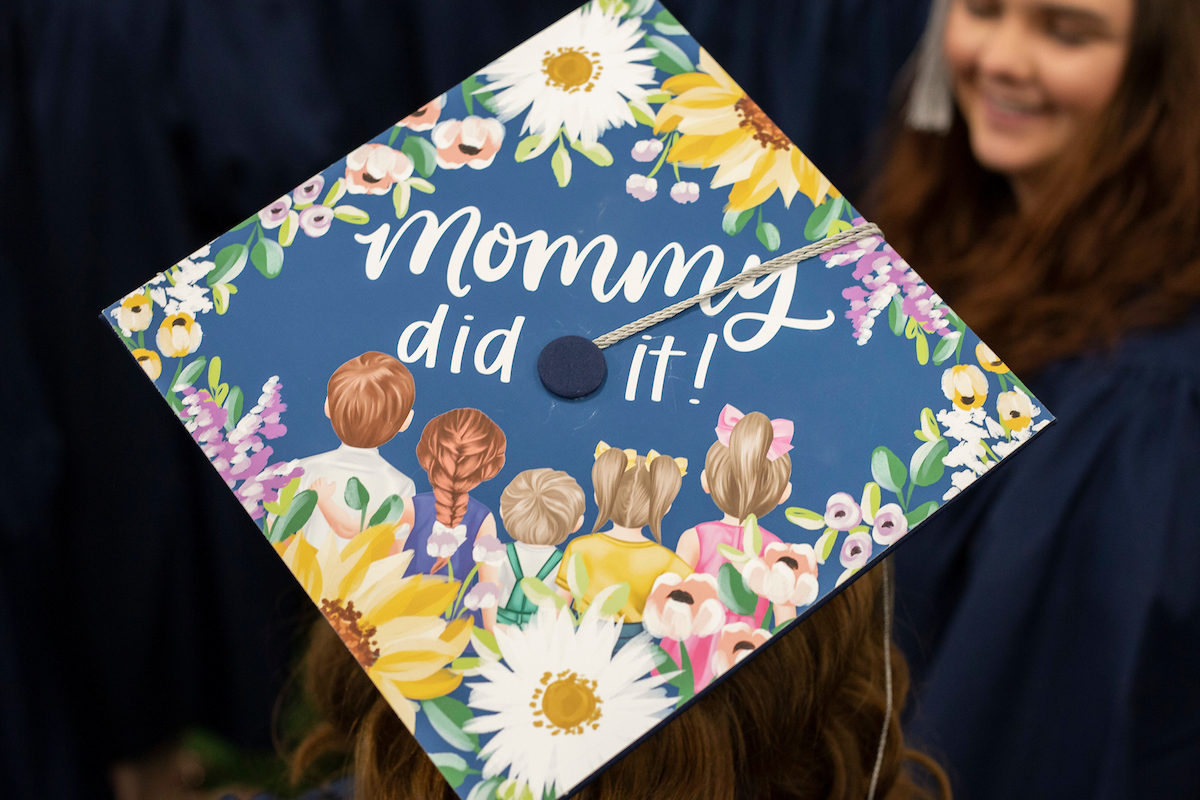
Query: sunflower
point(392, 624)
point(723, 127)
point(579, 74)
point(564, 703)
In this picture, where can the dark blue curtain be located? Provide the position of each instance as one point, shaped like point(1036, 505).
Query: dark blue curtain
point(135, 597)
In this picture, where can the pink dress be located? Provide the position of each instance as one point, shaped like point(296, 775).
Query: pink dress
point(701, 648)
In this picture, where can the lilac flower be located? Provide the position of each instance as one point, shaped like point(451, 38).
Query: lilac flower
point(482, 595)
point(488, 550)
point(441, 544)
point(890, 524)
point(273, 215)
point(841, 512)
point(641, 187)
point(685, 192)
point(856, 551)
point(646, 150)
point(315, 220)
point(307, 192)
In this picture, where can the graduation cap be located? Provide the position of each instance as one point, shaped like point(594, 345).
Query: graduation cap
point(566, 393)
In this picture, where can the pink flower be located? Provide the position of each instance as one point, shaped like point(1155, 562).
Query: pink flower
point(681, 607)
point(685, 192)
point(737, 641)
point(482, 595)
point(473, 142)
point(856, 551)
point(641, 187)
point(646, 150)
point(785, 574)
point(890, 524)
point(315, 220)
point(841, 512)
point(307, 192)
point(426, 116)
point(273, 215)
point(373, 168)
point(488, 550)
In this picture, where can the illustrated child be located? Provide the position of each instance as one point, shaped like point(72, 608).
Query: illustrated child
point(540, 508)
point(368, 401)
point(747, 471)
point(632, 492)
point(458, 450)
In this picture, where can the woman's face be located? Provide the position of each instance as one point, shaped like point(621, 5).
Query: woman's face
point(1031, 76)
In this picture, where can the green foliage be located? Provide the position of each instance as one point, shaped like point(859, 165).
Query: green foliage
point(447, 716)
point(390, 510)
point(228, 264)
point(768, 234)
point(670, 58)
point(267, 257)
point(561, 164)
point(888, 470)
point(422, 153)
point(295, 517)
point(733, 591)
point(822, 217)
point(733, 221)
point(189, 375)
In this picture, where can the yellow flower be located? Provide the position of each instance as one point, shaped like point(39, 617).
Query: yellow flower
point(149, 361)
point(723, 127)
point(1015, 409)
point(135, 312)
point(965, 385)
point(391, 623)
point(988, 359)
point(179, 335)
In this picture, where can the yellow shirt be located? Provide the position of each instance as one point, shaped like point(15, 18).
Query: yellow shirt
point(609, 561)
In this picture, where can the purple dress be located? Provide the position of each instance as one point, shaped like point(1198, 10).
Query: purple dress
point(424, 515)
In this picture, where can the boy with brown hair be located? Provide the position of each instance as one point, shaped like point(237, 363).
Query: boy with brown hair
point(368, 401)
point(540, 508)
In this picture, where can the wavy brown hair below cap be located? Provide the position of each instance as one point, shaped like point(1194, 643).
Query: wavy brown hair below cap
point(1113, 244)
point(799, 720)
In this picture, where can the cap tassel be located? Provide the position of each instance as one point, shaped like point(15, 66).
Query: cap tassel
point(930, 101)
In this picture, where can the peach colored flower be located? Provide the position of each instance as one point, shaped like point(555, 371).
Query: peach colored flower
point(737, 641)
point(785, 574)
point(472, 142)
point(373, 168)
point(426, 116)
point(681, 607)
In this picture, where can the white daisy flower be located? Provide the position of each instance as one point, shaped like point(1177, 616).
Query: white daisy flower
point(579, 74)
point(564, 703)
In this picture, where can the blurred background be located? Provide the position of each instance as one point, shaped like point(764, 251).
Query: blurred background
point(146, 634)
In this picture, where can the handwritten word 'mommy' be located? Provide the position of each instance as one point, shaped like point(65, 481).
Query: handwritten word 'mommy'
point(502, 242)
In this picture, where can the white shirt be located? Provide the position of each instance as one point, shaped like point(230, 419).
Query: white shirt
point(378, 477)
point(532, 558)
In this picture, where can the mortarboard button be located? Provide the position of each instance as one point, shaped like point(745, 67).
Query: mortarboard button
point(572, 367)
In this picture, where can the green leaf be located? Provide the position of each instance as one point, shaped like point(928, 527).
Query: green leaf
point(733, 554)
point(612, 604)
point(355, 216)
point(946, 347)
point(466, 663)
point(395, 132)
point(390, 510)
point(922, 347)
point(267, 256)
point(421, 185)
point(640, 115)
point(561, 164)
point(870, 500)
point(214, 374)
point(335, 193)
point(926, 466)
point(296, 517)
point(484, 640)
point(596, 153)
point(638, 8)
point(822, 217)
point(537, 591)
point(751, 536)
point(527, 146)
point(667, 25)
point(284, 502)
point(809, 520)
point(453, 768)
point(401, 194)
point(929, 427)
point(577, 576)
point(824, 545)
point(287, 230)
point(233, 405)
point(910, 328)
point(670, 58)
point(468, 92)
point(658, 97)
point(221, 295)
point(920, 513)
point(189, 375)
point(733, 591)
point(486, 790)
point(733, 221)
point(221, 392)
point(768, 234)
point(356, 495)
point(447, 716)
point(422, 153)
point(228, 264)
point(897, 319)
point(888, 470)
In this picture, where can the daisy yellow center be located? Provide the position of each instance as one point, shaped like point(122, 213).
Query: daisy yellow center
point(571, 68)
point(567, 703)
point(347, 621)
point(763, 131)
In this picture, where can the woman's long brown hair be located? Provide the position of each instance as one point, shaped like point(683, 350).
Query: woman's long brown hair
point(1113, 244)
point(800, 720)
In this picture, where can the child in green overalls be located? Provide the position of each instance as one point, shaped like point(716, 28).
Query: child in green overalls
point(540, 509)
